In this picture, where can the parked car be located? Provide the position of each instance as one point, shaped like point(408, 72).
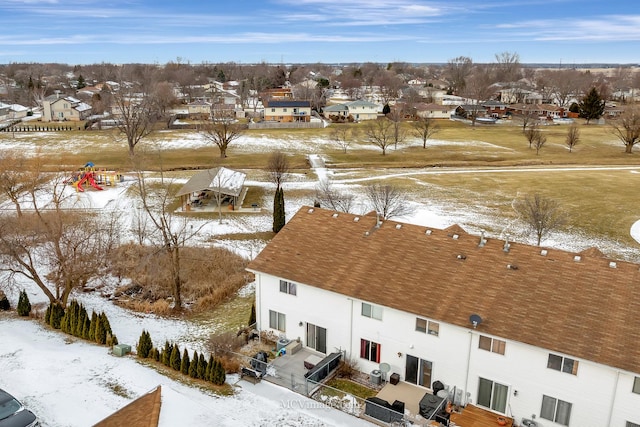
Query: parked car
point(14, 414)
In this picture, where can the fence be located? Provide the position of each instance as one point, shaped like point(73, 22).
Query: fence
point(291, 125)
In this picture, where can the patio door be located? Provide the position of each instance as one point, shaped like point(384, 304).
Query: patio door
point(316, 338)
point(418, 371)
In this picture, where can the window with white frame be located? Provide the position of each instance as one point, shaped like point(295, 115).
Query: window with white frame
point(491, 344)
point(555, 410)
point(370, 350)
point(427, 326)
point(372, 311)
point(636, 385)
point(492, 395)
point(288, 287)
point(277, 321)
point(562, 364)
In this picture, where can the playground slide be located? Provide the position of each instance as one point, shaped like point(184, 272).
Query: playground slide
point(87, 177)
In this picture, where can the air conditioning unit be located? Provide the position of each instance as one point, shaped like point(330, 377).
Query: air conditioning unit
point(375, 377)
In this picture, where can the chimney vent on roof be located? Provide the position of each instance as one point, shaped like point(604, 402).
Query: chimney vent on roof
point(310, 210)
point(612, 264)
point(512, 267)
point(366, 233)
point(455, 236)
point(544, 252)
point(507, 245)
point(398, 226)
point(356, 219)
point(483, 241)
point(577, 258)
point(335, 215)
point(378, 220)
point(428, 232)
point(462, 257)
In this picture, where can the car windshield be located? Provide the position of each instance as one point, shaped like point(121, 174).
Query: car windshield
point(9, 407)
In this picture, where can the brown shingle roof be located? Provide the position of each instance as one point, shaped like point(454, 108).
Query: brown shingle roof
point(578, 305)
point(142, 412)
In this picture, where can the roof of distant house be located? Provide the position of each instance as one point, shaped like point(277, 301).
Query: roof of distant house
point(281, 103)
point(580, 304)
point(221, 179)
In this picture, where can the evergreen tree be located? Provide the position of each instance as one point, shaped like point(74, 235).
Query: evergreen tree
point(86, 327)
point(145, 345)
point(252, 316)
point(47, 315)
point(193, 366)
point(4, 302)
point(24, 306)
point(174, 360)
point(100, 332)
point(93, 326)
point(208, 375)
point(219, 376)
point(592, 105)
point(81, 82)
point(105, 324)
point(156, 354)
point(202, 367)
point(82, 317)
point(166, 353)
point(184, 364)
point(278, 211)
point(57, 313)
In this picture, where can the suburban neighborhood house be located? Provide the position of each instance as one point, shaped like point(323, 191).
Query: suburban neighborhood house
point(60, 108)
point(358, 110)
point(287, 111)
point(520, 330)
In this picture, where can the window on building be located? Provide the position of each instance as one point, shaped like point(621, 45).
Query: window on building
point(492, 395)
point(562, 364)
point(630, 424)
point(427, 326)
point(492, 344)
point(372, 311)
point(273, 110)
point(636, 385)
point(370, 350)
point(277, 321)
point(555, 410)
point(287, 287)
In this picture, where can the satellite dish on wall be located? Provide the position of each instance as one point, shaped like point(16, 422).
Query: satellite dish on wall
point(475, 320)
point(384, 368)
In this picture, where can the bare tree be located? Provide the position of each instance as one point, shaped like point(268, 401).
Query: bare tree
point(164, 231)
point(380, 133)
point(539, 140)
point(397, 118)
point(424, 128)
point(529, 117)
point(457, 70)
point(541, 215)
point(222, 130)
point(534, 135)
point(573, 137)
point(135, 116)
point(344, 135)
point(18, 175)
point(508, 67)
point(333, 199)
point(388, 201)
point(59, 250)
point(627, 128)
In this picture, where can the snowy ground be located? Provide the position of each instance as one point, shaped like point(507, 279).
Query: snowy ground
point(70, 383)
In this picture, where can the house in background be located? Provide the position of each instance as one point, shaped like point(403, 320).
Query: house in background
point(199, 110)
point(62, 108)
point(519, 330)
point(287, 111)
point(358, 110)
point(434, 111)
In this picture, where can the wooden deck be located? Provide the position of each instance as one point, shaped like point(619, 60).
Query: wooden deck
point(473, 416)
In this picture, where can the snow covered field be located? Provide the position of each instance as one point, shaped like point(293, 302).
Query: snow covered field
point(72, 383)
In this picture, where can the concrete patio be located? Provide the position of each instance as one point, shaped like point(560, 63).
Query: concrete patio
point(289, 370)
point(408, 393)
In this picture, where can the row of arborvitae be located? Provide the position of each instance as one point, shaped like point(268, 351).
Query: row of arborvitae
point(198, 367)
point(76, 321)
point(24, 306)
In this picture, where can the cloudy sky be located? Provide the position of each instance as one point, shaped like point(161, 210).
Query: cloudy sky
point(330, 31)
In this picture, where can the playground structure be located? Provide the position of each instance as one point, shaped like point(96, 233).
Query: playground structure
point(95, 178)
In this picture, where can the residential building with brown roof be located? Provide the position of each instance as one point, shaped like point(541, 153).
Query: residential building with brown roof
point(557, 333)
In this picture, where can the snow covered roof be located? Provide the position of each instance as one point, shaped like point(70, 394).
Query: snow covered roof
point(83, 107)
point(221, 179)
